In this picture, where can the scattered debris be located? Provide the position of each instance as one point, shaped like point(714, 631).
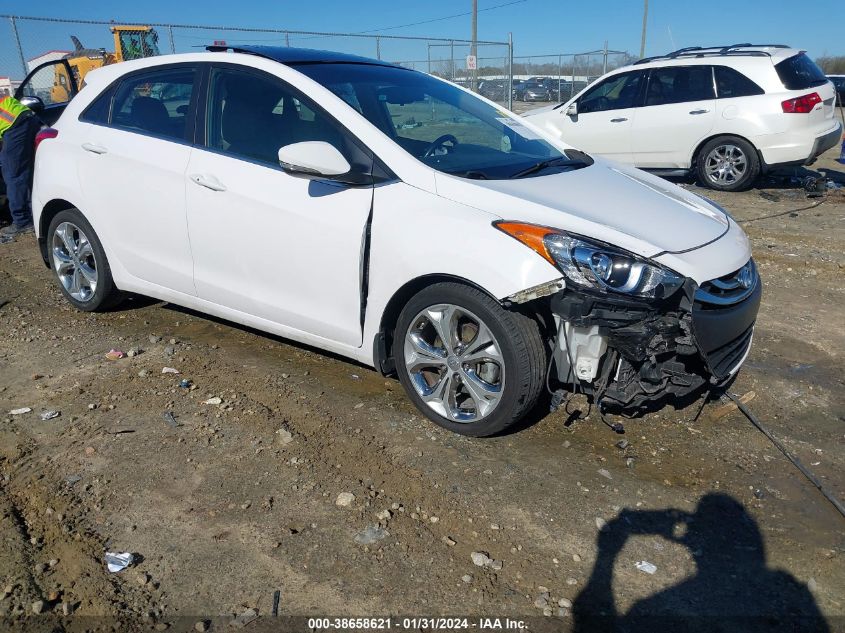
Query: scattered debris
point(169, 370)
point(646, 567)
point(449, 541)
point(622, 444)
point(185, 383)
point(170, 419)
point(566, 603)
point(384, 515)
point(344, 499)
point(605, 473)
point(467, 578)
point(118, 561)
point(215, 400)
point(601, 523)
point(244, 618)
point(277, 597)
point(480, 559)
point(285, 436)
point(371, 534)
point(50, 415)
point(115, 354)
point(134, 351)
point(728, 407)
point(20, 411)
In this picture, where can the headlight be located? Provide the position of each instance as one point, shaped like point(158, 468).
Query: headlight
point(597, 266)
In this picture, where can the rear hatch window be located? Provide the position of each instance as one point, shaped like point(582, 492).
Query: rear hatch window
point(800, 72)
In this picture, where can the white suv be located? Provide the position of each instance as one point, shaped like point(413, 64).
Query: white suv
point(397, 219)
point(726, 113)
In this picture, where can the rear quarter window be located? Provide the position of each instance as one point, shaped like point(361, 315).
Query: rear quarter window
point(99, 109)
point(731, 83)
point(799, 72)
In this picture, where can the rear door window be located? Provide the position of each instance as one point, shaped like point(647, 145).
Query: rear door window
point(799, 72)
point(731, 83)
point(156, 103)
point(679, 84)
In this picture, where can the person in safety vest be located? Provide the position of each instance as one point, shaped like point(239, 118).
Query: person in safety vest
point(18, 128)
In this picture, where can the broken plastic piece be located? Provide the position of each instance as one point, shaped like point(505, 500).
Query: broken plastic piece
point(20, 411)
point(50, 415)
point(115, 354)
point(169, 370)
point(646, 566)
point(118, 561)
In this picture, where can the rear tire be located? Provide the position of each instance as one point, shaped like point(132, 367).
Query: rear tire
point(79, 262)
point(727, 163)
point(490, 373)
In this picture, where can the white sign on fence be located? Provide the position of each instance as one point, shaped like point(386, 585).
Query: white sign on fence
point(472, 62)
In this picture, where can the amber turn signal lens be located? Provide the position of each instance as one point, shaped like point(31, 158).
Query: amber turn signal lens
point(529, 234)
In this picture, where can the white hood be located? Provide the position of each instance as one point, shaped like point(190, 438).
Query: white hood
point(606, 201)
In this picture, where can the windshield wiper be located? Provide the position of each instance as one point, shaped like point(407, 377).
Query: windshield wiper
point(550, 162)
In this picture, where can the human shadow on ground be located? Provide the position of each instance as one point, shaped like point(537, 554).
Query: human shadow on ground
point(732, 589)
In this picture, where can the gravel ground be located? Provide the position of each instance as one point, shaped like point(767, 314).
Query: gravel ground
point(294, 471)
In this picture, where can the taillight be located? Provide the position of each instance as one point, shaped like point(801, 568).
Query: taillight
point(801, 105)
point(45, 133)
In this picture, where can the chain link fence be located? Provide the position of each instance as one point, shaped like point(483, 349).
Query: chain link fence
point(27, 42)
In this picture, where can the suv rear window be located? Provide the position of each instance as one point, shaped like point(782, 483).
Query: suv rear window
point(800, 72)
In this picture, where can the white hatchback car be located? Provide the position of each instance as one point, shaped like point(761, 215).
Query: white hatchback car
point(396, 219)
point(727, 113)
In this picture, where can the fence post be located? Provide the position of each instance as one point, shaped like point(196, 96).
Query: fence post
point(604, 64)
point(452, 57)
point(572, 85)
point(428, 45)
point(559, 73)
point(287, 39)
point(172, 43)
point(510, 71)
point(378, 48)
point(20, 48)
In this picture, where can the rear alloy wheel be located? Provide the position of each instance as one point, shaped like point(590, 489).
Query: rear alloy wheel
point(727, 164)
point(80, 264)
point(470, 365)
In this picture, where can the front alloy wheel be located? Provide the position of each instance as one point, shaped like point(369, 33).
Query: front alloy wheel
point(455, 363)
point(465, 361)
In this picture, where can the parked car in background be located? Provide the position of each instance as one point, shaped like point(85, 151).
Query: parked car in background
point(493, 89)
point(839, 83)
point(534, 91)
point(726, 114)
point(394, 218)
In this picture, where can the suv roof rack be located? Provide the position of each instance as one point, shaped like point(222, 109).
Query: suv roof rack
point(711, 51)
point(290, 55)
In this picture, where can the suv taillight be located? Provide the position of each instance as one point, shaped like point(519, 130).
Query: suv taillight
point(801, 105)
point(45, 133)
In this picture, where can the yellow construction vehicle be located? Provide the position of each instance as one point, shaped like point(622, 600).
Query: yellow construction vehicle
point(130, 42)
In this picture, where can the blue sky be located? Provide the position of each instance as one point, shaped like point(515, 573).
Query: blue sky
point(538, 26)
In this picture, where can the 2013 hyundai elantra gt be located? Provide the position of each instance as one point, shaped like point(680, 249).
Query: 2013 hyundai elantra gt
point(396, 219)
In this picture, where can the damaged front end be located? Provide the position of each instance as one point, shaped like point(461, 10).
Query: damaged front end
point(635, 355)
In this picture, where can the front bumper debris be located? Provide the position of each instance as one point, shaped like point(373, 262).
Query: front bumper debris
point(653, 353)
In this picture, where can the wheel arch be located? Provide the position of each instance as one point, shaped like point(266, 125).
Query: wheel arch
point(50, 211)
point(697, 150)
point(384, 338)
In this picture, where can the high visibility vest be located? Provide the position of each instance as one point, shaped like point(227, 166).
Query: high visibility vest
point(10, 110)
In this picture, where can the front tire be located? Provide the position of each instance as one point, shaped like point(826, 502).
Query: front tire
point(727, 163)
point(79, 262)
point(468, 364)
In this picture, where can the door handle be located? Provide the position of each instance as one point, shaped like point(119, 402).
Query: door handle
point(619, 120)
point(699, 111)
point(209, 182)
point(94, 149)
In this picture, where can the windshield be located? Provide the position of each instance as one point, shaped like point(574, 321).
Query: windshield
point(441, 125)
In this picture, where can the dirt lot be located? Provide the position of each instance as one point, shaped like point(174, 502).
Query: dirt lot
point(239, 499)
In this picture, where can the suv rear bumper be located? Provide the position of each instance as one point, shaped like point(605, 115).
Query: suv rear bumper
point(799, 152)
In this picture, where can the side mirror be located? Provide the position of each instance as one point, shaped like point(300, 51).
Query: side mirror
point(314, 159)
point(572, 109)
point(33, 103)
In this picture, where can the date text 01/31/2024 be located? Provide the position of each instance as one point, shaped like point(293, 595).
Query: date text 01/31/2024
point(415, 623)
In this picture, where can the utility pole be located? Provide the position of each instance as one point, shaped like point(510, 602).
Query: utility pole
point(474, 51)
point(645, 23)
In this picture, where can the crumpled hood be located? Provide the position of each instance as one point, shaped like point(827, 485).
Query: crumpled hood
point(606, 201)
